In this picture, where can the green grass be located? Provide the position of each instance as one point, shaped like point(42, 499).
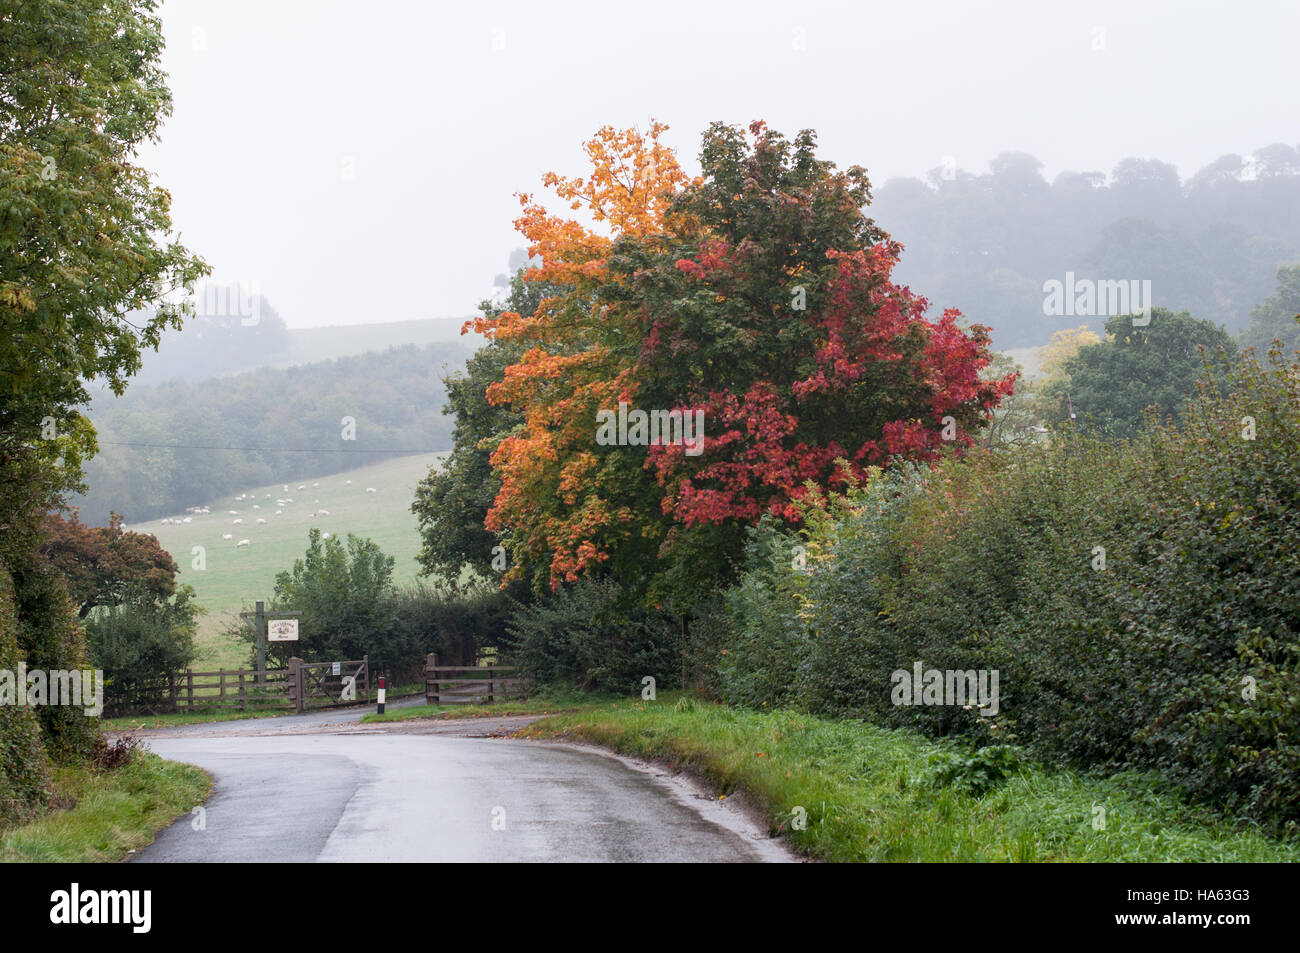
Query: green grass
point(236, 578)
point(113, 812)
point(866, 797)
point(537, 705)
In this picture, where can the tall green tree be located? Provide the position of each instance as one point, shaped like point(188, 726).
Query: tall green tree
point(86, 242)
point(1110, 385)
point(1277, 316)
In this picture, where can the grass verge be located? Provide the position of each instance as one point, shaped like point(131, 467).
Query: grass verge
point(548, 704)
point(112, 812)
point(865, 793)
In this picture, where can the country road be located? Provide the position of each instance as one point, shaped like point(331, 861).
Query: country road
point(323, 788)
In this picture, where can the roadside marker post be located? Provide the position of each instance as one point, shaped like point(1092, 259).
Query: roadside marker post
point(381, 694)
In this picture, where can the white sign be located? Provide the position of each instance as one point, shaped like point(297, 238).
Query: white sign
point(338, 669)
point(282, 630)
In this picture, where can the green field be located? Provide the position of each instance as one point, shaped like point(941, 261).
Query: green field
point(234, 578)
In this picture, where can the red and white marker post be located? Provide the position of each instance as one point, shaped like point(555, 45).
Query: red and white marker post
point(381, 694)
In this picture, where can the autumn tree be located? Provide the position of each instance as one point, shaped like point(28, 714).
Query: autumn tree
point(103, 565)
point(758, 295)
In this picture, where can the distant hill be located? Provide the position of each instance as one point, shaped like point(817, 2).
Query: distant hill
point(180, 443)
point(319, 344)
point(233, 332)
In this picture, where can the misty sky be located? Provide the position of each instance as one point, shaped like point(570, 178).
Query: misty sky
point(357, 161)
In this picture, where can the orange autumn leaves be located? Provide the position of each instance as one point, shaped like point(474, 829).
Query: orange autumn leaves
point(570, 373)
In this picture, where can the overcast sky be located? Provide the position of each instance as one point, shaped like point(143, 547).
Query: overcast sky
point(357, 161)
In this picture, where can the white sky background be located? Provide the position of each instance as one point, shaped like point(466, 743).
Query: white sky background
point(272, 97)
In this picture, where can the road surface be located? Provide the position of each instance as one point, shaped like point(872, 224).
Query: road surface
point(291, 790)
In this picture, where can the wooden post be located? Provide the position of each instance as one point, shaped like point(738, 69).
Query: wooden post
point(243, 699)
point(490, 685)
point(221, 673)
point(171, 689)
point(365, 665)
point(294, 678)
point(189, 688)
point(261, 642)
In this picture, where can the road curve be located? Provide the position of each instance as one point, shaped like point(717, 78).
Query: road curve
point(373, 796)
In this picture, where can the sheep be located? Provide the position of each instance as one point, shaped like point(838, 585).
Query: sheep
point(325, 535)
point(227, 536)
point(311, 516)
point(371, 489)
point(242, 542)
point(302, 486)
point(236, 522)
point(188, 519)
point(323, 512)
point(234, 512)
point(260, 520)
point(314, 485)
point(278, 512)
point(347, 482)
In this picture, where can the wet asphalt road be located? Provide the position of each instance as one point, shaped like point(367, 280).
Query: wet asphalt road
point(312, 792)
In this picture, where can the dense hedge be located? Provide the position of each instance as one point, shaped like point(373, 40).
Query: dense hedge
point(24, 766)
point(1180, 655)
point(583, 636)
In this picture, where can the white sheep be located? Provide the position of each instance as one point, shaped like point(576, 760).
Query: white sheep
point(234, 512)
point(347, 482)
point(278, 512)
point(188, 519)
point(236, 522)
point(227, 536)
point(242, 542)
point(302, 486)
point(256, 507)
point(323, 512)
point(260, 520)
point(371, 489)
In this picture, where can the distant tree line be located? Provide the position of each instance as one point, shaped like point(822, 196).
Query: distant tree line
point(1211, 245)
point(155, 453)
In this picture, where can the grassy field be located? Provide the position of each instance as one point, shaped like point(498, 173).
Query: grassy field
point(849, 791)
point(108, 813)
point(235, 578)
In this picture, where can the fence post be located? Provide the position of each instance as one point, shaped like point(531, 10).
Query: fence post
point(189, 689)
point(365, 665)
point(431, 679)
point(490, 685)
point(294, 678)
point(242, 698)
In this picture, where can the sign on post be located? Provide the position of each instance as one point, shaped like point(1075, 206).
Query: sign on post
point(282, 630)
point(338, 669)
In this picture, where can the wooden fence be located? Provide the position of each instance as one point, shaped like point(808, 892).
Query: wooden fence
point(239, 689)
point(471, 684)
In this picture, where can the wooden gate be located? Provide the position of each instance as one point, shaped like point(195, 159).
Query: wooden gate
point(315, 685)
point(470, 684)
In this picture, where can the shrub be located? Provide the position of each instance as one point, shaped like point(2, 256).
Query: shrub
point(138, 644)
point(1139, 599)
point(584, 635)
